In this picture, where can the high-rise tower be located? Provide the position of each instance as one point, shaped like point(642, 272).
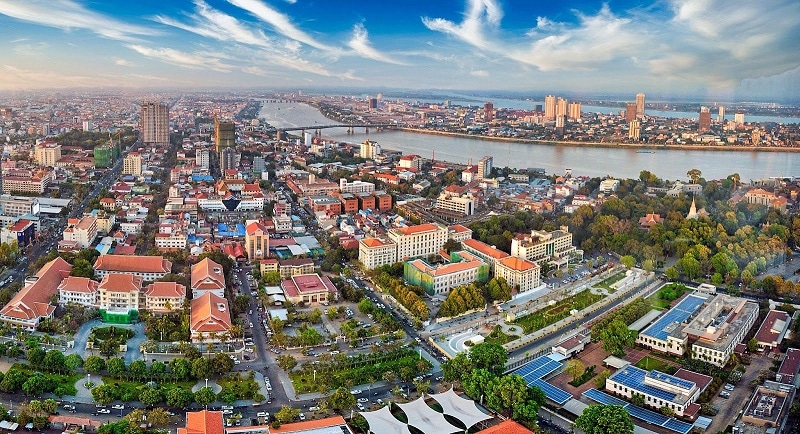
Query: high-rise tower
point(550, 108)
point(639, 105)
point(705, 119)
point(561, 107)
point(224, 134)
point(155, 122)
point(630, 111)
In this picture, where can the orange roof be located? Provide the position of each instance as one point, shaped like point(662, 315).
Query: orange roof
point(121, 283)
point(518, 264)
point(207, 275)
point(134, 264)
point(506, 427)
point(458, 228)
point(78, 284)
point(33, 300)
point(203, 422)
point(253, 227)
point(411, 230)
point(373, 242)
point(485, 249)
point(454, 267)
point(299, 427)
point(165, 289)
point(210, 314)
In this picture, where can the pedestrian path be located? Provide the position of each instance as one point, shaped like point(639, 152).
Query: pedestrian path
point(83, 394)
point(216, 388)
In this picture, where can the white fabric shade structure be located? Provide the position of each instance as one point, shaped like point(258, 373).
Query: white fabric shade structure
point(462, 409)
point(426, 419)
point(383, 422)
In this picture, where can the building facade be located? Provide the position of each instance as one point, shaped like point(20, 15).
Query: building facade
point(155, 123)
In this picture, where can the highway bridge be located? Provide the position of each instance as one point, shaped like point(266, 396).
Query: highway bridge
point(322, 127)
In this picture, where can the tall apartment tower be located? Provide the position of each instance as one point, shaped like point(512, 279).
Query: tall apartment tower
point(738, 117)
point(721, 115)
point(488, 112)
point(705, 119)
point(228, 159)
point(485, 167)
point(575, 111)
point(224, 134)
point(550, 108)
point(634, 129)
point(630, 111)
point(155, 122)
point(639, 105)
point(561, 107)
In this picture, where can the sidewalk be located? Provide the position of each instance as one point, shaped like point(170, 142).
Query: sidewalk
point(84, 395)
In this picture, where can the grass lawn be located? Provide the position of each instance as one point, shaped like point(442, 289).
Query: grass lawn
point(498, 337)
point(658, 303)
point(131, 388)
point(64, 384)
point(606, 284)
point(648, 363)
point(239, 386)
point(552, 314)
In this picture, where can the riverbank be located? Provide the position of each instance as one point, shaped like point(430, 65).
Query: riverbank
point(615, 145)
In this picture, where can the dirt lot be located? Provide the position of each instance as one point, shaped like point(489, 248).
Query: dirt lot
point(729, 408)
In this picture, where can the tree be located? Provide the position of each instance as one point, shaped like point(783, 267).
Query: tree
point(451, 245)
point(150, 396)
point(136, 416)
point(221, 363)
point(671, 273)
point(498, 289)
point(286, 362)
point(575, 368)
point(616, 336)
point(138, 369)
point(457, 368)
point(104, 394)
point(271, 278)
point(54, 361)
point(204, 396)
point(492, 357)
point(180, 369)
point(82, 268)
point(694, 175)
point(74, 361)
point(286, 414)
point(116, 367)
point(341, 399)
point(158, 416)
point(600, 380)
point(752, 345)
point(605, 419)
point(179, 397)
point(201, 368)
point(628, 261)
point(35, 385)
point(637, 399)
point(35, 356)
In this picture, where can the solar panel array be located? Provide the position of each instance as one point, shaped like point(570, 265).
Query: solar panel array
point(678, 314)
point(644, 414)
point(675, 381)
point(633, 378)
point(533, 372)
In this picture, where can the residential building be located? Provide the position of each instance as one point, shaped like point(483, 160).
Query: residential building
point(384, 200)
point(550, 108)
point(256, 241)
point(171, 242)
point(356, 187)
point(228, 159)
point(31, 305)
point(224, 134)
point(787, 371)
point(630, 111)
point(282, 223)
point(738, 119)
point(574, 111)
point(210, 318)
point(705, 119)
point(488, 112)
point(81, 231)
point(47, 154)
point(132, 164)
point(203, 158)
point(561, 108)
point(520, 274)
point(308, 288)
point(634, 129)
point(369, 150)
point(464, 268)
point(22, 231)
point(541, 246)
point(27, 181)
point(203, 422)
point(295, 267)
point(155, 123)
point(640, 105)
point(660, 389)
point(119, 293)
point(164, 296)
point(459, 233)
point(374, 252)
point(485, 165)
point(412, 161)
point(772, 330)
point(208, 276)
point(79, 290)
point(16, 206)
point(149, 268)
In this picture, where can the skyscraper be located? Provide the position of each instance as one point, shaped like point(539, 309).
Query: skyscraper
point(721, 114)
point(630, 111)
point(155, 123)
point(705, 119)
point(550, 108)
point(488, 112)
point(228, 159)
point(575, 111)
point(485, 167)
point(738, 117)
point(561, 107)
point(639, 105)
point(224, 134)
point(634, 129)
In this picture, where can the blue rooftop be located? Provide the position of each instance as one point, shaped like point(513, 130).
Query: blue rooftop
point(674, 317)
point(644, 414)
point(634, 378)
point(533, 372)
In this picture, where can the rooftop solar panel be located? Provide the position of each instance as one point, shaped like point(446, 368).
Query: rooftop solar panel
point(678, 426)
point(552, 393)
point(680, 382)
point(662, 327)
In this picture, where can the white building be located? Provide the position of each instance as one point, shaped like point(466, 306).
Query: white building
point(542, 246)
point(519, 273)
point(609, 185)
point(149, 268)
point(356, 187)
point(78, 290)
point(419, 241)
point(373, 252)
point(82, 231)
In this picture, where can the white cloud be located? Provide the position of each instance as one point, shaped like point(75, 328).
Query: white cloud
point(211, 23)
point(123, 62)
point(202, 60)
point(280, 22)
point(479, 73)
point(480, 15)
point(360, 44)
point(67, 15)
point(33, 49)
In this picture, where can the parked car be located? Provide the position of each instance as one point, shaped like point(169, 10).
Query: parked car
point(314, 408)
point(118, 406)
point(728, 387)
point(103, 411)
point(302, 416)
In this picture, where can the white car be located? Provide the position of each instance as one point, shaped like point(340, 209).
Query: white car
point(302, 416)
point(356, 391)
point(118, 406)
point(314, 408)
point(103, 411)
point(362, 400)
point(262, 414)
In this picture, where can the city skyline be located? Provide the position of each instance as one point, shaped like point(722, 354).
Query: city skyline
point(715, 49)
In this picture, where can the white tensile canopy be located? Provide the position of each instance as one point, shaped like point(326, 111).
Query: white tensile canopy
point(383, 422)
point(426, 419)
point(462, 409)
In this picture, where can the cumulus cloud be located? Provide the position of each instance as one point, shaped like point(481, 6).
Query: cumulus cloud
point(67, 15)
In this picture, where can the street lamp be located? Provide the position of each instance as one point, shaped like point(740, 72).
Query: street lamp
point(206, 382)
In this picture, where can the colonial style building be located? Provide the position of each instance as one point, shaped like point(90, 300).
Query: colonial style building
point(207, 276)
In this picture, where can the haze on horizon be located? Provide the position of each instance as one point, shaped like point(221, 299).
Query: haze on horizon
point(712, 49)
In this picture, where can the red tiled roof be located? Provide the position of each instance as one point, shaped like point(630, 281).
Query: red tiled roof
point(411, 230)
point(791, 363)
point(485, 249)
point(506, 427)
point(308, 425)
point(768, 332)
point(518, 264)
point(121, 283)
point(165, 289)
point(207, 275)
point(78, 284)
point(373, 242)
point(140, 264)
point(210, 313)
point(203, 422)
point(33, 300)
point(701, 380)
point(307, 284)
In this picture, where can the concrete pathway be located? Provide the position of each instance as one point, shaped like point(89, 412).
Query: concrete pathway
point(216, 388)
point(84, 395)
point(134, 344)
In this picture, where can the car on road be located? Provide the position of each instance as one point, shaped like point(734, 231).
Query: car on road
point(263, 414)
point(103, 411)
point(360, 406)
point(314, 408)
point(118, 406)
point(362, 400)
point(302, 416)
point(729, 387)
point(69, 407)
point(356, 391)
point(725, 394)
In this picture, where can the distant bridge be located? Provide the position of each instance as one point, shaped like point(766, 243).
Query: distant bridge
point(322, 127)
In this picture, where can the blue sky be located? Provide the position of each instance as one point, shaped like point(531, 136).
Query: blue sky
point(705, 47)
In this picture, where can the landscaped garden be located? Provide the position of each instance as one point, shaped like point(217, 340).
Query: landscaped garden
point(497, 336)
point(609, 281)
point(648, 363)
point(552, 314)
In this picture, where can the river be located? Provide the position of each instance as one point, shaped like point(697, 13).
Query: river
point(669, 164)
